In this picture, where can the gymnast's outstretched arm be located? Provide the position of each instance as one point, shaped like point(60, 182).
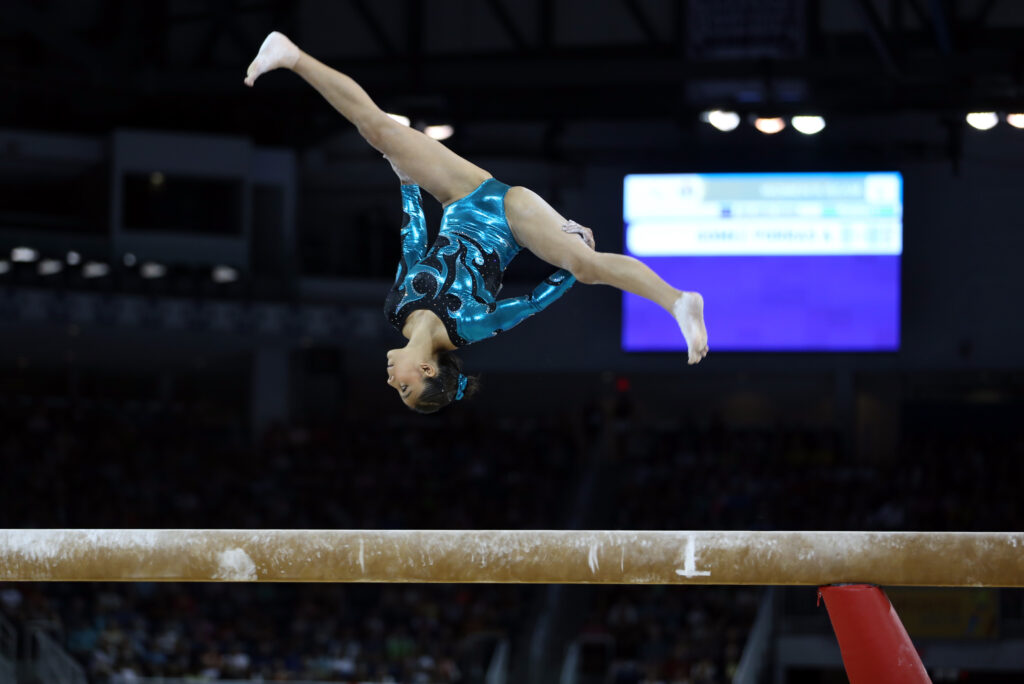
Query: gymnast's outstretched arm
point(430, 164)
point(538, 227)
point(512, 311)
point(414, 230)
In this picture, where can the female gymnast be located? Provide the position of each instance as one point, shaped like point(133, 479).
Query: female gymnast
point(445, 297)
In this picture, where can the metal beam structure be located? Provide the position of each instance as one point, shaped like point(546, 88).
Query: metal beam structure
point(876, 33)
point(974, 559)
point(633, 61)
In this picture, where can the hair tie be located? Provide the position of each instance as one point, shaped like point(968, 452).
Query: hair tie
point(462, 386)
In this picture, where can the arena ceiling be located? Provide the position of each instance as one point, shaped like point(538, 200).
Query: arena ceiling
point(93, 65)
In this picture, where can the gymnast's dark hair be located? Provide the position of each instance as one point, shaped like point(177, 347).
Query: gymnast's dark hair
point(442, 389)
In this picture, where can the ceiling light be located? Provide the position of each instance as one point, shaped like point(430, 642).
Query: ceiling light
point(1015, 120)
point(982, 120)
point(404, 120)
point(49, 267)
point(224, 274)
point(95, 269)
point(808, 125)
point(722, 120)
point(151, 269)
point(156, 179)
point(73, 258)
point(5, 266)
point(24, 255)
point(129, 259)
point(769, 125)
point(439, 132)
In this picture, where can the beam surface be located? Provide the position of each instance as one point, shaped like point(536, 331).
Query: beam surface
point(980, 559)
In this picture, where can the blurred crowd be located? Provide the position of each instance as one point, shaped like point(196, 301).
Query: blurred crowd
point(271, 632)
point(78, 467)
point(670, 478)
point(95, 468)
point(667, 477)
point(666, 634)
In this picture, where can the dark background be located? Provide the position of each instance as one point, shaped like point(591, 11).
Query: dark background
point(127, 136)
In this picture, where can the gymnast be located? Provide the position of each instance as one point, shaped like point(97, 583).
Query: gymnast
point(445, 297)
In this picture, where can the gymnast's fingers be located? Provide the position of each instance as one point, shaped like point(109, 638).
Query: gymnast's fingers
point(588, 237)
point(583, 232)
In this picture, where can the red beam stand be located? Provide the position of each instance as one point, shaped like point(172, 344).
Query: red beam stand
point(876, 648)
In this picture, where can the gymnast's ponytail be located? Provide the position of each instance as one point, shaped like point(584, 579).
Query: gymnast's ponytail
point(447, 386)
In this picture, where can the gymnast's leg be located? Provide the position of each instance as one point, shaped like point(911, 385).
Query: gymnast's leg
point(537, 227)
point(431, 165)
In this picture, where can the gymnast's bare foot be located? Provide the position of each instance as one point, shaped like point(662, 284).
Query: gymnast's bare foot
point(689, 313)
point(276, 52)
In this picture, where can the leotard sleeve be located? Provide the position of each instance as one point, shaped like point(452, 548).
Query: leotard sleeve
point(514, 310)
point(414, 231)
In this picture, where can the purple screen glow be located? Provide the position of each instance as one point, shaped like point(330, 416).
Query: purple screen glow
point(785, 262)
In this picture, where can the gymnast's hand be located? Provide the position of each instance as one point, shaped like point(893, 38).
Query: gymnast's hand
point(406, 180)
point(585, 233)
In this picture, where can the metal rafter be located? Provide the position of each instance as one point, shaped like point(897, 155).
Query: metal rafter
point(414, 39)
point(940, 24)
point(641, 19)
point(49, 31)
point(877, 34)
point(224, 22)
point(919, 12)
point(546, 17)
point(507, 24)
point(541, 81)
point(983, 12)
point(384, 41)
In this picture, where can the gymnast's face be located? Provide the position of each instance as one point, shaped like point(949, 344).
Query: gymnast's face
point(406, 372)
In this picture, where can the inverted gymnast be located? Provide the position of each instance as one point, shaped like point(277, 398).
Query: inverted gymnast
point(446, 297)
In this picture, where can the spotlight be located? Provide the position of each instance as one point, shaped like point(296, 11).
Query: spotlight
point(5, 266)
point(808, 125)
point(151, 269)
point(95, 269)
point(404, 120)
point(722, 120)
point(769, 125)
point(1015, 120)
point(24, 255)
point(439, 132)
point(49, 267)
point(129, 259)
point(224, 274)
point(156, 179)
point(74, 258)
point(982, 120)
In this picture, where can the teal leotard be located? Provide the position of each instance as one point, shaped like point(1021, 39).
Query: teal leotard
point(459, 277)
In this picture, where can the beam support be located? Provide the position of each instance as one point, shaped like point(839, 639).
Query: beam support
point(987, 559)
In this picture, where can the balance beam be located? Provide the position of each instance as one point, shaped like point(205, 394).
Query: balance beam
point(936, 559)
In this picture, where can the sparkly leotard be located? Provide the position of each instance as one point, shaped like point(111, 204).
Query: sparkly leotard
point(459, 277)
